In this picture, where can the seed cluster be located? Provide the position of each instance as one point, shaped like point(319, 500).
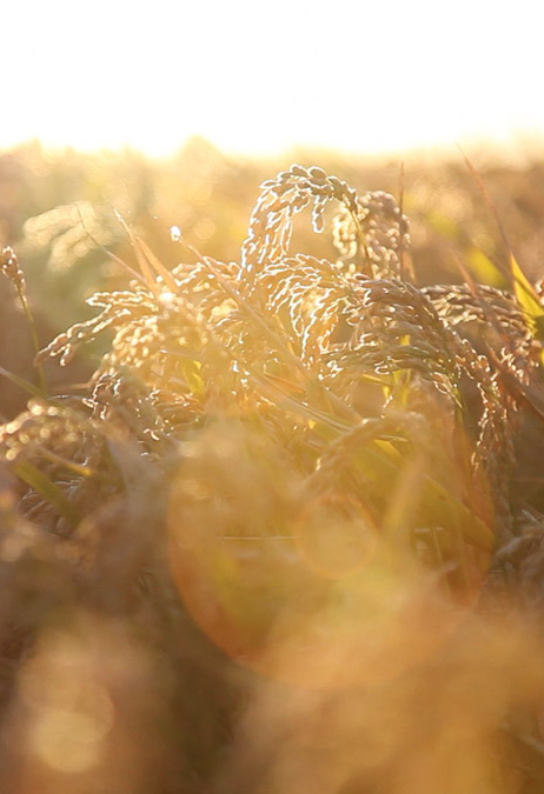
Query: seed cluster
point(9, 266)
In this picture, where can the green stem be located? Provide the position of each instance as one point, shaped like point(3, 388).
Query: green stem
point(34, 335)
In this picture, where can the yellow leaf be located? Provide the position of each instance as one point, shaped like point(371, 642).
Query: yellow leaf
point(528, 300)
point(484, 270)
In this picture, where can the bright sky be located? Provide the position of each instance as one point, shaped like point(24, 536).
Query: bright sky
point(258, 77)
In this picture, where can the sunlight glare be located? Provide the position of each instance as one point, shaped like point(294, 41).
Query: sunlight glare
point(258, 79)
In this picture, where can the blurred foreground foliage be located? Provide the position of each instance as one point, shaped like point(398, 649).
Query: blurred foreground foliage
point(288, 534)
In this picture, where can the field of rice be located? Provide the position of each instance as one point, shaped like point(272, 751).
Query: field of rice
point(271, 476)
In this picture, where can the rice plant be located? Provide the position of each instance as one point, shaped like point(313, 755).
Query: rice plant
point(291, 501)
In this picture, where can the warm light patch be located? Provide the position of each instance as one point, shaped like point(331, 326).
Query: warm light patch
point(70, 711)
point(335, 537)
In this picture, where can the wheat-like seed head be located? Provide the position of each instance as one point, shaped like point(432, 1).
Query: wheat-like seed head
point(9, 266)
